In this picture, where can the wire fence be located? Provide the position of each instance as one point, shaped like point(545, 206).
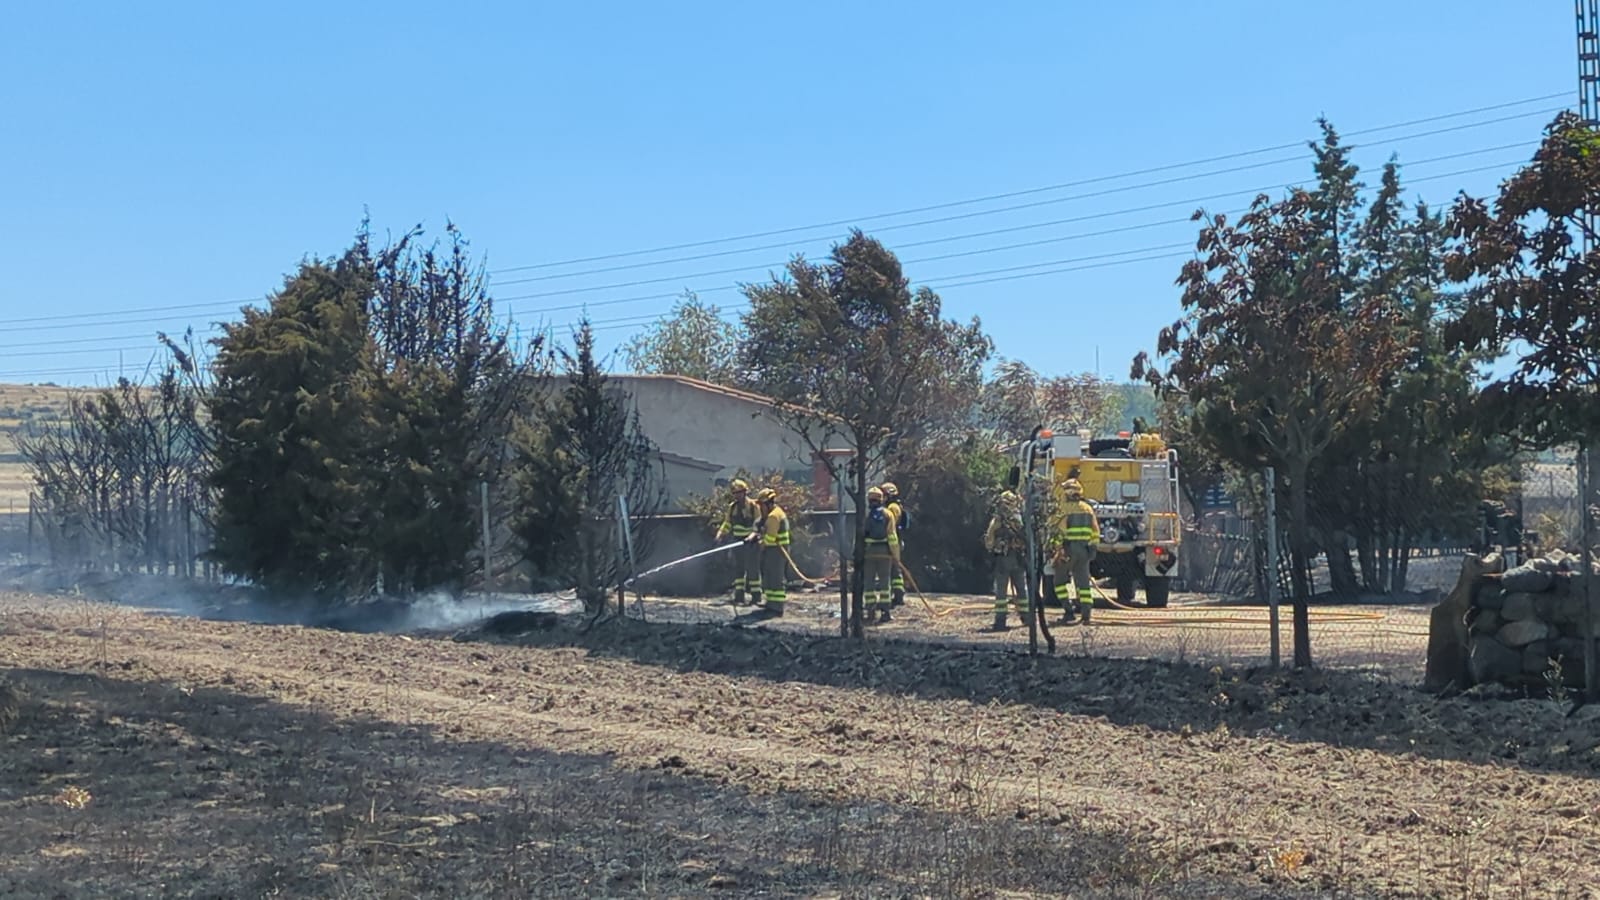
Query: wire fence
point(1379, 564)
point(1377, 560)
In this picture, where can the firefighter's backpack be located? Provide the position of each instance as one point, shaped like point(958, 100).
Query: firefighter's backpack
point(878, 524)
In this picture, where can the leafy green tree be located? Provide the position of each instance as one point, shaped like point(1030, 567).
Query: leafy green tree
point(1532, 266)
point(292, 415)
point(1412, 470)
point(1017, 398)
point(1272, 359)
point(851, 352)
point(583, 451)
point(692, 340)
point(449, 388)
point(1531, 262)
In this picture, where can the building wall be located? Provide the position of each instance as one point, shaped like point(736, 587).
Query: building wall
point(728, 429)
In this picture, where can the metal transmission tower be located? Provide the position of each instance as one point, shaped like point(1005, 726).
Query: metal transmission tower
point(1589, 61)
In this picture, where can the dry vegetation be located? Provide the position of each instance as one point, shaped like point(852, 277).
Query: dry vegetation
point(22, 406)
point(154, 755)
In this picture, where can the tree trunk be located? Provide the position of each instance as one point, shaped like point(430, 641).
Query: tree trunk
point(1300, 552)
point(592, 596)
point(1402, 564)
point(1386, 530)
point(1367, 557)
point(1341, 572)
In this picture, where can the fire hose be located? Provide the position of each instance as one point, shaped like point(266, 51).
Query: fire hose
point(678, 562)
point(1226, 618)
point(722, 549)
point(913, 582)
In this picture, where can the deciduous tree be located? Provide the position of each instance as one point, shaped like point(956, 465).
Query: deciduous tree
point(1017, 398)
point(123, 477)
point(694, 339)
point(852, 352)
point(1273, 357)
point(1531, 263)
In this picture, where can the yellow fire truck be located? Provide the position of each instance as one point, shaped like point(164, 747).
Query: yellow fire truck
point(1131, 480)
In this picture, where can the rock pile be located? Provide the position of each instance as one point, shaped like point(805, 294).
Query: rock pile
point(1521, 626)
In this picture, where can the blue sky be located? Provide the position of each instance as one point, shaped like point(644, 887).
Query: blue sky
point(190, 154)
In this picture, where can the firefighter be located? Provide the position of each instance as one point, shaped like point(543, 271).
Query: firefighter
point(740, 521)
point(774, 539)
point(902, 521)
point(882, 556)
point(1007, 544)
point(1079, 535)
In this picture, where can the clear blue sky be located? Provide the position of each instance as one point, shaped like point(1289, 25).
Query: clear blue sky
point(190, 154)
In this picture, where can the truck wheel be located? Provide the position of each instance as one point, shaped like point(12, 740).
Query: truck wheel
point(1125, 589)
point(1156, 592)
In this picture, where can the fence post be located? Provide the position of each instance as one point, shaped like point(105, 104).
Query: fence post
point(1270, 479)
point(844, 551)
point(1591, 666)
point(625, 545)
point(484, 503)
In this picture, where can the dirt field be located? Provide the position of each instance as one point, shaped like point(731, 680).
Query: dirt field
point(152, 755)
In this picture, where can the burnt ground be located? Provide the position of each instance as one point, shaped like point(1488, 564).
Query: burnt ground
point(154, 755)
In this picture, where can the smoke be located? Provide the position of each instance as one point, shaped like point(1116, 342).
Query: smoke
point(436, 611)
point(441, 612)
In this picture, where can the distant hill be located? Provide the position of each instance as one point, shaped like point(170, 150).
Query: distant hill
point(24, 406)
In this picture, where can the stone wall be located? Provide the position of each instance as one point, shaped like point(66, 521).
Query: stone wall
point(1523, 626)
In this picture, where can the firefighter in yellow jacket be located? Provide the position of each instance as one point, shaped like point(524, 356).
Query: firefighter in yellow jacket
point(882, 556)
point(1007, 542)
point(1079, 535)
point(892, 504)
point(774, 539)
point(739, 521)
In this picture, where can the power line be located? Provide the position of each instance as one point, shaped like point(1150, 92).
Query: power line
point(1181, 179)
point(1094, 262)
point(625, 322)
point(1165, 205)
point(234, 305)
point(1004, 209)
point(75, 341)
point(1063, 185)
point(186, 306)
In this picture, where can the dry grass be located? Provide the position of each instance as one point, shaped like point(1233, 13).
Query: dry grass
point(129, 787)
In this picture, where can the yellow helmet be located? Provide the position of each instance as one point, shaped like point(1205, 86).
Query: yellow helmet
point(739, 486)
point(889, 490)
point(767, 495)
point(1072, 488)
point(875, 493)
